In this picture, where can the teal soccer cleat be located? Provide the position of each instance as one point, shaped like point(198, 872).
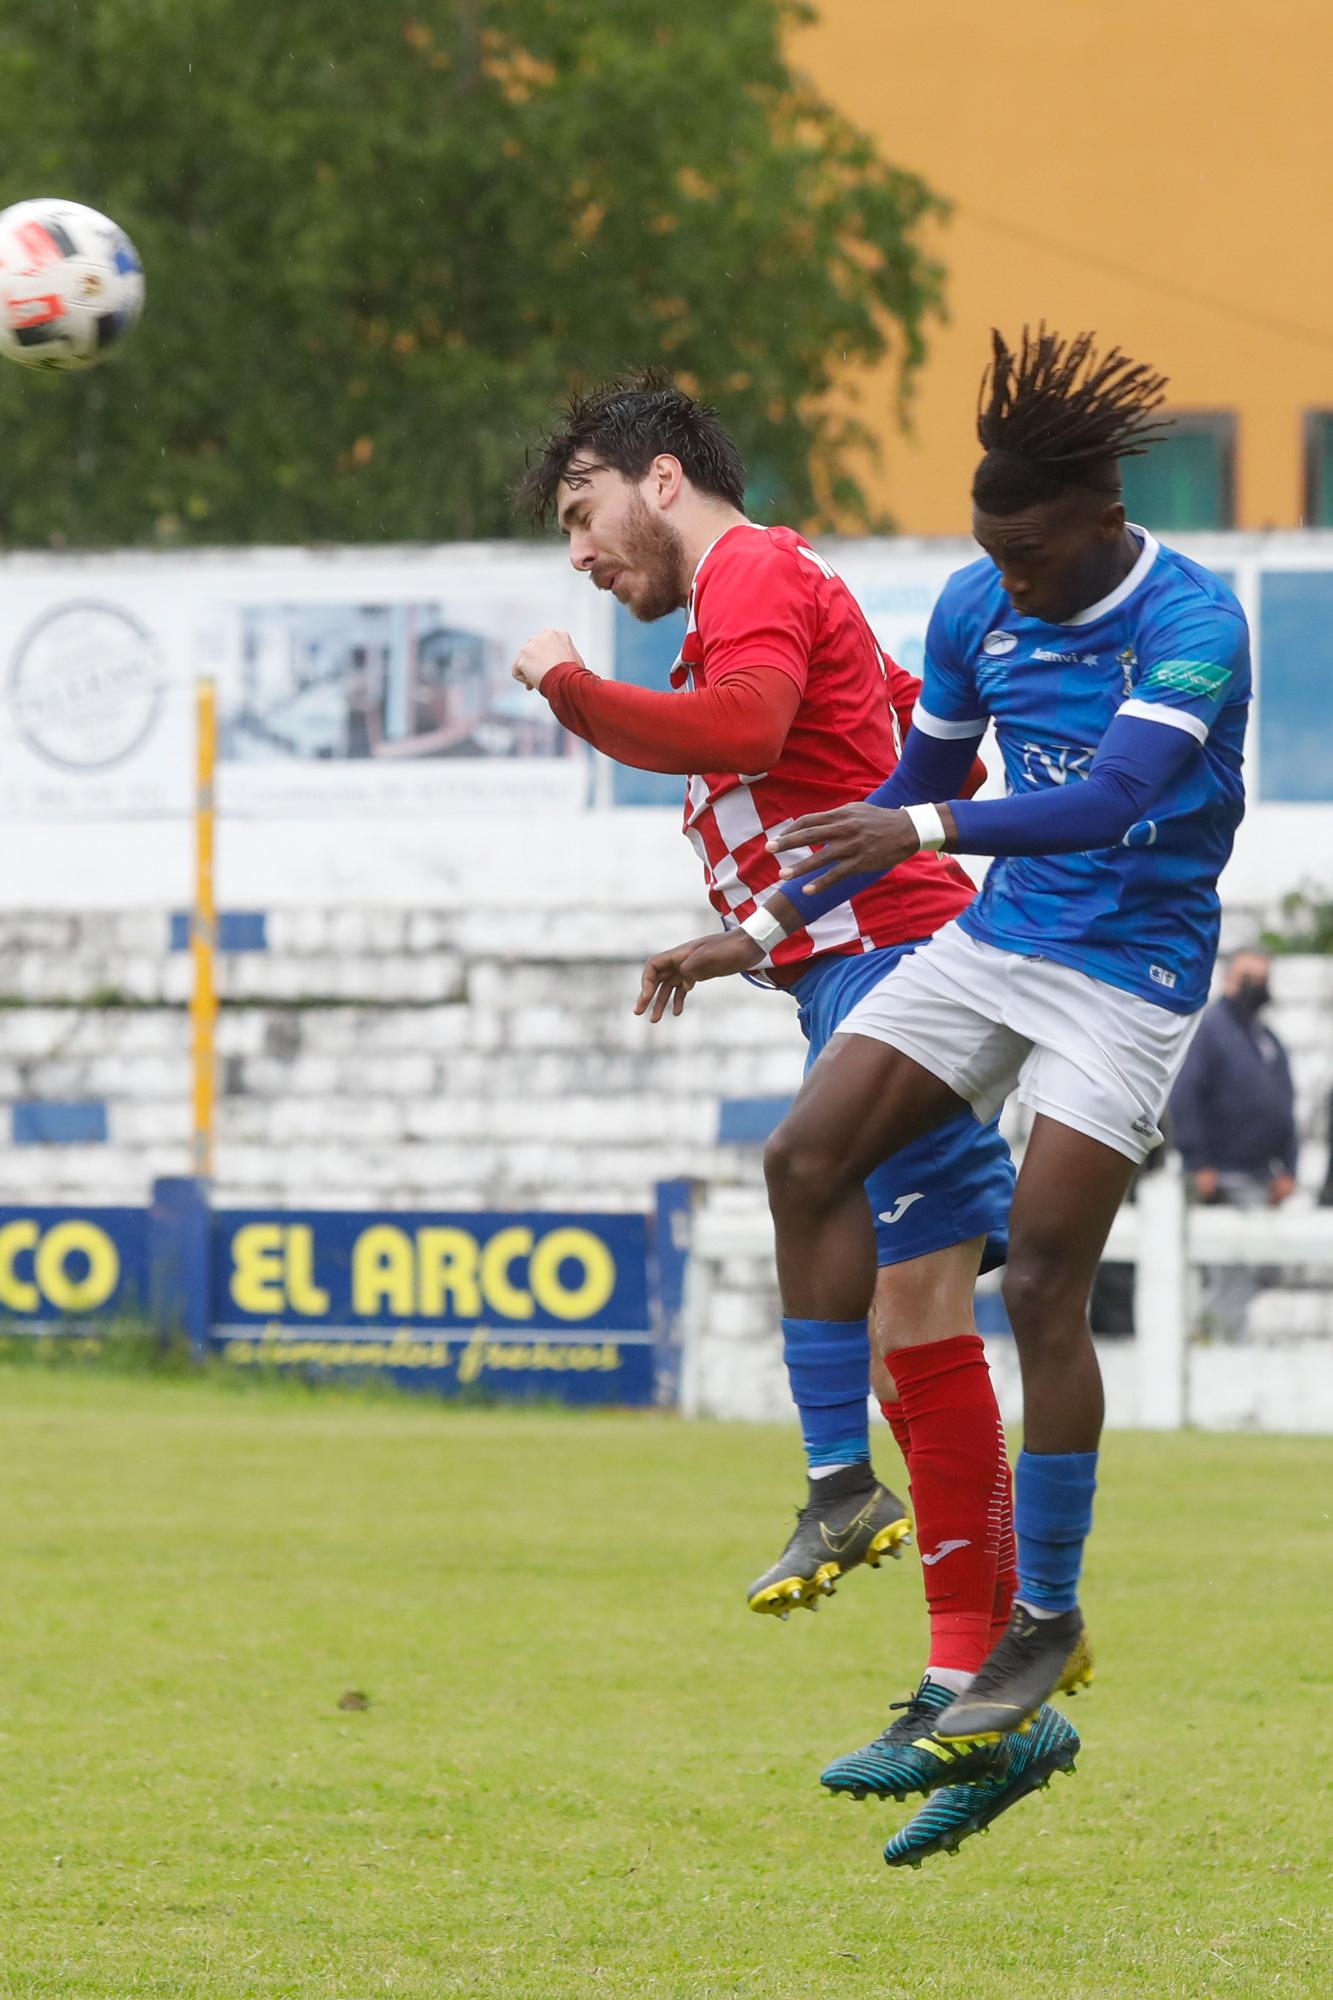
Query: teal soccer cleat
point(950, 1816)
point(909, 1757)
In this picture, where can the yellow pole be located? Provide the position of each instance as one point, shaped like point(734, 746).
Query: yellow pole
point(204, 934)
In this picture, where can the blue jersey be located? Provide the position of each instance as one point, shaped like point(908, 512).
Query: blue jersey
point(1168, 645)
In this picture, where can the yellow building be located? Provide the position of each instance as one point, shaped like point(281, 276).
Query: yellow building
point(1157, 171)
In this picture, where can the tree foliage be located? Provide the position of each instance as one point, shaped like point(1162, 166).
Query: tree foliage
point(380, 240)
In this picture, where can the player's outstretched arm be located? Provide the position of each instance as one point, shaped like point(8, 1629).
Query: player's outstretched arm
point(739, 722)
point(1136, 762)
point(669, 975)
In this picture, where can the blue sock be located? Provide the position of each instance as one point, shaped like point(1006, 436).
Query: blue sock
point(1052, 1518)
point(828, 1365)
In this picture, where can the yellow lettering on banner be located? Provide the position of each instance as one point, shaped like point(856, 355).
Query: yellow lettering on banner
point(298, 1351)
point(503, 1297)
point(599, 1274)
point(258, 1268)
point(542, 1357)
point(447, 1269)
point(472, 1359)
point(480, 1357)
point(382, 1272)
point(17, 1294)
point(304, 1294)
point(68, 1239)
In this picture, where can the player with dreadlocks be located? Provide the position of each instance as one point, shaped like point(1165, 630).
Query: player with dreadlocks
point(1116, 672)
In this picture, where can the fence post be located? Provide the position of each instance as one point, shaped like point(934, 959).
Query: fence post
point(204, 938)
point(669, 1255)
point(1161, 1301)
point(178, 1259)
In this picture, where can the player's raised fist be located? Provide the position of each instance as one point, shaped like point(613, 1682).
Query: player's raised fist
point(536, 659)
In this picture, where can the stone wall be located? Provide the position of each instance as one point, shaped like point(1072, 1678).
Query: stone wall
point(420, 1058)
point(403, 1058)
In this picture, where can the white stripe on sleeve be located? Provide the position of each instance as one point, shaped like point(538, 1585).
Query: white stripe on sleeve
point(936, 725)
point(1175, 718)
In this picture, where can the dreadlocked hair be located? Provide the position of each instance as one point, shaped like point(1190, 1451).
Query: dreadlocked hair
point(1058, 415)
point(625, 424)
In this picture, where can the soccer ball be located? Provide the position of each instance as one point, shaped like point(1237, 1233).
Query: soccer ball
point(71, 284)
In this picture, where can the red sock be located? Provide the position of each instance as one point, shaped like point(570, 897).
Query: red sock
point(960, 1486)
point(1006, 1567)
point(897, 1422)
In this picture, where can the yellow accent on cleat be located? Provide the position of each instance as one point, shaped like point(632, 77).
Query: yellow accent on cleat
point(1078, 1668)
point(796, 1593)
point(889, 1542)
point(991, 1735)
point(792, 1593)
point(946, 1752)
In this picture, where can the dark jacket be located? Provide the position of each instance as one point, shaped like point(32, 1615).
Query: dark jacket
point(1233, 1107)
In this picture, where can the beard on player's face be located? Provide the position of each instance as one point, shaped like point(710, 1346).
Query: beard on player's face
point(647, 566)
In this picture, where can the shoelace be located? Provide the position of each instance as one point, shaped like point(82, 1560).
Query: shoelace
point(909, 1722)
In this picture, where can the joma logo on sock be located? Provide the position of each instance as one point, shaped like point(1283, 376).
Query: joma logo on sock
point(899, 1209)
point(944, 1549)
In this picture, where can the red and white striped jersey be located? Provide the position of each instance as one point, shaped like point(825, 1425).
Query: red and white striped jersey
point(762, 597)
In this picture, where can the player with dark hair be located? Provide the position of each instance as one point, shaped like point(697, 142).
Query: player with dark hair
point(1117, 675)
point(622, 427)
point(784, 704)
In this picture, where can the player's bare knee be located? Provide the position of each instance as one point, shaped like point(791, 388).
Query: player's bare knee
point(927, 1298)
point(1040, 1300)
point(800, 1171)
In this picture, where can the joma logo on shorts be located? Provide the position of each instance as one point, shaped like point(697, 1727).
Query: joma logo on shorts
point(900, 1207)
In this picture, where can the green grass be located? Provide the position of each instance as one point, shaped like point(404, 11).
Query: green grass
point(585, 1769)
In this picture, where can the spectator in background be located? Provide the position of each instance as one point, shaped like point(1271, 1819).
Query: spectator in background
point(1233, 1112)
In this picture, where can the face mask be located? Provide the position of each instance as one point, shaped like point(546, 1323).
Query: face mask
point(1252, 994)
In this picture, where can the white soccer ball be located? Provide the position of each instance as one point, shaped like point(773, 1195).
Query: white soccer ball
point(71, 284)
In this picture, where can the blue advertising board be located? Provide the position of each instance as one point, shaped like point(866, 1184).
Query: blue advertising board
point(58, 1264)
point(552, 1304)
point(528, 1304)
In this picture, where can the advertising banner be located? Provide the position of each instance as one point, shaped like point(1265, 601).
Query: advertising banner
point(575, 1307)
point(541, 1303)
point(58, 1264)
point(353, 682)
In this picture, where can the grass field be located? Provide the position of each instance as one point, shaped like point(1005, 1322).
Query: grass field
point(584, 1768)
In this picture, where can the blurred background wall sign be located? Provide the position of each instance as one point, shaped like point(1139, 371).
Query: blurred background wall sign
point(355, 681)
point(366, 687)
point(572, 1307)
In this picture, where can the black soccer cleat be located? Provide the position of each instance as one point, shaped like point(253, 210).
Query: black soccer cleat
point(848, 1519)
point(1037, 1657)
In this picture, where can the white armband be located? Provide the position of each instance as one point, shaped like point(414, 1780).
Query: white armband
point(766, 929)
point(929, 827)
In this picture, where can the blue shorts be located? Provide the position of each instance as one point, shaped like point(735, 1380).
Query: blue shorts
point(954, 1183)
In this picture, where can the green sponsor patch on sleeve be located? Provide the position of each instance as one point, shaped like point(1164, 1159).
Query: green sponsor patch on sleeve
point(1194, 677)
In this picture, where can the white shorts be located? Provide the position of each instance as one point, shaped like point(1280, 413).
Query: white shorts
point(984, 1020)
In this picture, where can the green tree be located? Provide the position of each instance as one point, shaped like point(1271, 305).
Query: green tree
point(380, 243)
